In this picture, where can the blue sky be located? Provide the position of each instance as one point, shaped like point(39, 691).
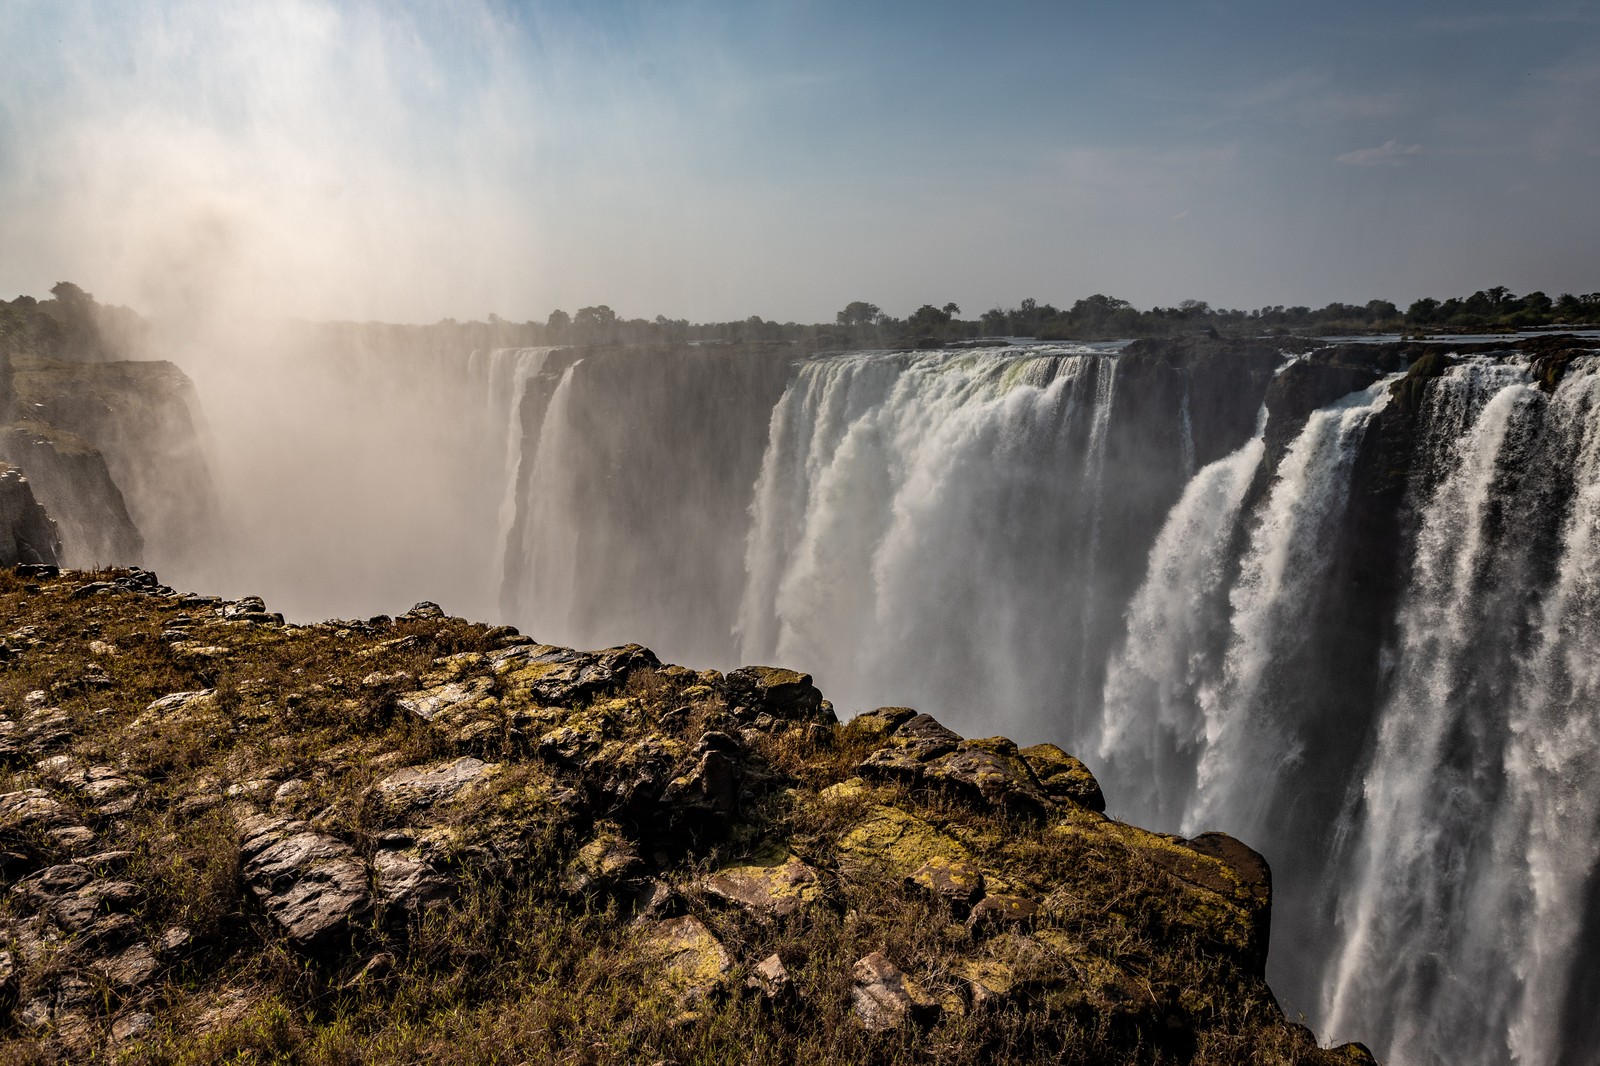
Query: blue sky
point(715, 160)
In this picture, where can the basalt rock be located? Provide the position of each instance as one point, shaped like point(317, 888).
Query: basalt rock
point(669, 856)
point(28, 535)
point(312, 885)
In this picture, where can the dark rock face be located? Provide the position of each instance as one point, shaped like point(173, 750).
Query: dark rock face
point(27, 533)
point(70, 480)
point(648, 419)
point(143, 419)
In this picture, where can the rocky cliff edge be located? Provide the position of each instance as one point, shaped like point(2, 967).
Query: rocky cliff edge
point(225, 838)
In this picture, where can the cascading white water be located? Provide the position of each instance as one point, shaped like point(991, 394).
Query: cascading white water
point(1250, 731)
point(506, 373)
point(1474, 843)
point(937, 528)
point(1555, 746)
point(549, 538)
point(1186, 414)
point(921, 525)
point(1152, 724)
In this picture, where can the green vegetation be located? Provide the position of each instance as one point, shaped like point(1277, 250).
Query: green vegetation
point(484, 850)
point(72, 326)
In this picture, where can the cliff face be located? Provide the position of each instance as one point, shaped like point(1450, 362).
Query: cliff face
point(27, 534)
point(70, 480)
point(393, 840)
point(657, 448)
point(142, 418)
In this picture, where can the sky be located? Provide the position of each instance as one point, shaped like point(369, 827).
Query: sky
point(411, 161)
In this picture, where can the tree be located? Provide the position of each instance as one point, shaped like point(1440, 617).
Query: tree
point(1422, 311)
point(858, 313)
point(951, 309)
point(556, 326)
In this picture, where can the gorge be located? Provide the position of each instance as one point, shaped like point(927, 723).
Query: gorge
point(1341, 601)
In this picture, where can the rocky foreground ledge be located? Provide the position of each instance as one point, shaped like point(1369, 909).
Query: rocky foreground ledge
point(224, 838)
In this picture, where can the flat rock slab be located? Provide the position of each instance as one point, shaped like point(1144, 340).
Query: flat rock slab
point(556, 676)
point(313, 886)
point(408, 881)
point(176, 708)
point(898, 841)
point(453, 696)
point(780, 886)
point(421, 787)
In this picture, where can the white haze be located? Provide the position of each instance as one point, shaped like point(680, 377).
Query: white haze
point(227, 168)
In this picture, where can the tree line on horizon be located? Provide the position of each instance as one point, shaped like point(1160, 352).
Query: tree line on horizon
point(73, 325)
point(1098, 317)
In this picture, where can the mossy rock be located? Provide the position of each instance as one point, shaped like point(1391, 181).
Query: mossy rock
point(898, 842)
point(1064, 776)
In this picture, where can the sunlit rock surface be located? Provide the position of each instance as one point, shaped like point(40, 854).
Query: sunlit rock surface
point(426, 837)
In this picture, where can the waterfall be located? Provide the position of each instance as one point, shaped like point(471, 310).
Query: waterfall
point(1474, 845)
point(508, 381)
point(1364, 643)
point(925, 524)
point(1554, 748)
point(1152, 720)
point(547, 541)
point(1251, 730)
point(1187, 416)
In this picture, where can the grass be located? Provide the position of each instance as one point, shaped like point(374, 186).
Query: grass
point(1126, 962)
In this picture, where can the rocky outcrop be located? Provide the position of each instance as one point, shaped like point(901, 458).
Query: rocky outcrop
point(312, 885)
point(70, 480)
point(217, 819)
point(27, 533)
point(143, 418)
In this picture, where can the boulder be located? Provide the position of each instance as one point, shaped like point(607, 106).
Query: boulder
point(692, 963)
point(785, 695)
point(312, 886)
point(1063, 776)
point(607, 862)
point(988, 773)
point(770, 977)
point(878, 724)
point(563, 677)
point(955, 881)
point(897, 841)
point(885, 998)
point(1002, 910)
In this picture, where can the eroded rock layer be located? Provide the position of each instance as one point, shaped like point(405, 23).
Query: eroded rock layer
point(225, 837)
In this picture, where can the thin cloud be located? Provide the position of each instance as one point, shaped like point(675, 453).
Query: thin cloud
point(1388, 154)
